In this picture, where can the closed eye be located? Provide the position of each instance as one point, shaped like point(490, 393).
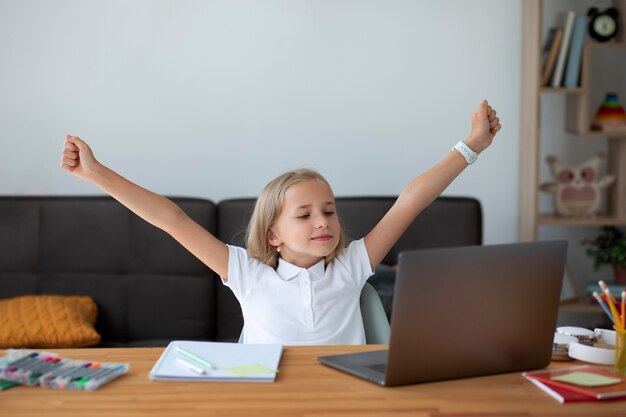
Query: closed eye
point(304, 216)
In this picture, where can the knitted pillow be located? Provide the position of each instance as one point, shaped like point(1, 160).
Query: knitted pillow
point(48, 321)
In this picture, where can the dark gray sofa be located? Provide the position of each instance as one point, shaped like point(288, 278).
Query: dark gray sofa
point(149, 289)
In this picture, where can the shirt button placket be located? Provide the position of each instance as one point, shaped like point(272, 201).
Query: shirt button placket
point(308, 308)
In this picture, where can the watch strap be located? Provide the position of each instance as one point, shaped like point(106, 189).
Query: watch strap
point(469, 155)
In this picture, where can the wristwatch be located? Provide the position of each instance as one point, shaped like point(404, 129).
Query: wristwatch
point(469, 155)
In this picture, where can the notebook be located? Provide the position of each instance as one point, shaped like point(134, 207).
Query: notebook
point(595, 382)
point(214, 361)
point(467, 311)
point(560, 394)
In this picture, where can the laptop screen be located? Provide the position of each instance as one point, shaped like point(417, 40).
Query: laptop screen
point(474, 310)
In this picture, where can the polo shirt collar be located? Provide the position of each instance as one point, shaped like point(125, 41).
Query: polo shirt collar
point(288, 271)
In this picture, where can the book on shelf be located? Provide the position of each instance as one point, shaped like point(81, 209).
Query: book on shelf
point(559, 69)
point(551, 50)
point(575, 54)
point(593, 381)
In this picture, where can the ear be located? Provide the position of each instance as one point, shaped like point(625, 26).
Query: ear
point(594, 162)
point(612, 11)
point(592, 11)
point(555, 165)
point(272, 239)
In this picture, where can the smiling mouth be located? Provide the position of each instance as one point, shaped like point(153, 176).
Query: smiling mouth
point(322, 238)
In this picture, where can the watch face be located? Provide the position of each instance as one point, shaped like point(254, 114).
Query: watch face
point(604, 25)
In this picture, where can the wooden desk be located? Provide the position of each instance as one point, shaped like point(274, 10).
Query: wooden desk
point(303, 388)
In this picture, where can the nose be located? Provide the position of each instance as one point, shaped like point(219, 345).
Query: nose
point(321, 221)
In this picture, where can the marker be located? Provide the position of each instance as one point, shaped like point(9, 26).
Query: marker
point(75, 372)
point(191, 366)
point(194, 357)
point(22, 360)
point(105, 371)
point(603, 305)
point(27, 365)
point(48, 367)
point(63, 368)
point(66, 377)
point(92, 370)
point(79, 384)
point(99, 371)
point(107, 374)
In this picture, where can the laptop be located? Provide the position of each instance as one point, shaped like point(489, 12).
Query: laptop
point(467, 311)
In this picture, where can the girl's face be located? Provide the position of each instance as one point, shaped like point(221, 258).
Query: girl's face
point(307, 229)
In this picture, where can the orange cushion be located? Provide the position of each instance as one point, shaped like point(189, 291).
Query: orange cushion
point(48, 321)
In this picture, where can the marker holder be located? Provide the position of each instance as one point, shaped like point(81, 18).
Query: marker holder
point(48, 370)
point(620, 350)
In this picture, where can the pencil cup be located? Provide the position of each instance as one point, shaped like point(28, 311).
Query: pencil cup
point(620, 351)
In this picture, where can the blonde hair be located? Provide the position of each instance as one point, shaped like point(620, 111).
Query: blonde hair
point(268, 207)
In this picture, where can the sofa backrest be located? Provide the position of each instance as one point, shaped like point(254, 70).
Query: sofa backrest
point(149, 289)
point(448, 221)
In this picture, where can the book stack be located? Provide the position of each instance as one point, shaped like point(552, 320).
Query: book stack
point(580, 383)
point(562, 52)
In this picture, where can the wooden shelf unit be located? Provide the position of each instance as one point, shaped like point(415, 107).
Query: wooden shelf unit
point(577, 121)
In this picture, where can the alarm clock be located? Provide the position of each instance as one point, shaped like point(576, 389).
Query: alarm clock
point(603, 24)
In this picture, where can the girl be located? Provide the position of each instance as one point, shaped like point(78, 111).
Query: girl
point(296, 282)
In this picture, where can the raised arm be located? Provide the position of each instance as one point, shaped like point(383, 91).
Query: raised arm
point(157, 210)
point(424, 189)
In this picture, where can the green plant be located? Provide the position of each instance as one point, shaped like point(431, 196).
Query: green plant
point(607, 248)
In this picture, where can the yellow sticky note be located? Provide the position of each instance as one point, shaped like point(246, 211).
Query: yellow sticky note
point(587, 379)
point(249, 369)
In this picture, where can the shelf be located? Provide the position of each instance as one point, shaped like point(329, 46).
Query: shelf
point(566, 90)
point(600, 63)
point(596, 134)
point(606, 45)
point(578, 306)
point(579, 116)
point(549, 219)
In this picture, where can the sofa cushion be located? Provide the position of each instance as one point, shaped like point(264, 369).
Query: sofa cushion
point(143, 307)
point(48, 321)
point(19, 231)
point(186, 307)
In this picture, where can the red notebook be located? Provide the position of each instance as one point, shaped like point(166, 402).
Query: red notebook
point(567, 392)
point(562, 395)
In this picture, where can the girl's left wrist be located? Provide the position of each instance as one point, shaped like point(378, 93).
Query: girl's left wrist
point(474, 144)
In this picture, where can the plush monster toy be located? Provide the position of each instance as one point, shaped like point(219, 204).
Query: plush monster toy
point(577, 189)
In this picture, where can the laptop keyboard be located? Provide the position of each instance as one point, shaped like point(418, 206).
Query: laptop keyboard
point(379, 367)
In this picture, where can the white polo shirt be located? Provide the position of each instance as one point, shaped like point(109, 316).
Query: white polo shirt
point(298, 306)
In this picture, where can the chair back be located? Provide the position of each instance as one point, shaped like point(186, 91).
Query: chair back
point(375, 319)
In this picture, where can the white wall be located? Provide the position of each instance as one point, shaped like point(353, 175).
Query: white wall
point(214, 98)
